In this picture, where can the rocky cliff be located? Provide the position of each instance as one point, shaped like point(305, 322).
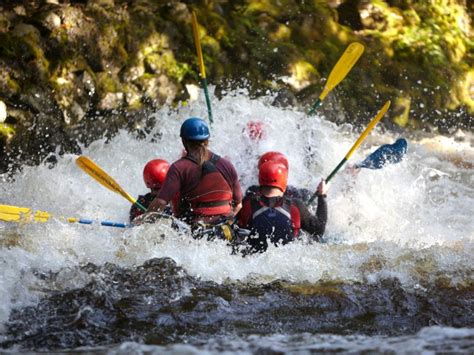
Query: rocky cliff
point(73, 71)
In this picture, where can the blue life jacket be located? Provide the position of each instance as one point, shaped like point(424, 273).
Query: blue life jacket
point(271, 221)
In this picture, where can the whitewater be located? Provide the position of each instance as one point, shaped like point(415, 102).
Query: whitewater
point(411, 222)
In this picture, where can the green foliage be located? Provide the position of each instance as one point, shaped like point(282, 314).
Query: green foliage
point(7, 130)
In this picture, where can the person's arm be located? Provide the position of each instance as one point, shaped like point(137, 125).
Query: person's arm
point(313, 224)
point(157, 205)
point(237, 208)
point(236, 190)
point(244, 215)
point(170, 187)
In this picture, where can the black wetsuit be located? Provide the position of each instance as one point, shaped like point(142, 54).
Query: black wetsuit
point(145, 201)
point(301, 217)
point(291, 192)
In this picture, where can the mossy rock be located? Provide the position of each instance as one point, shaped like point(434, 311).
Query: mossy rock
point(105, 56)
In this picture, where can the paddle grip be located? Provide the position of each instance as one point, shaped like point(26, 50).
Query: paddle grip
point(140, 206)
point(314, 107)
point(208, 100)
point(314, 195)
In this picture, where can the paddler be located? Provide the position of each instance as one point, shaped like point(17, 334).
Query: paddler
point(209, 193)
point(275, 217)
point(291, 191)
point(154, 175)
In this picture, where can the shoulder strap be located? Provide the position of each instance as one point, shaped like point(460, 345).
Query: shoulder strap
point(214, 158)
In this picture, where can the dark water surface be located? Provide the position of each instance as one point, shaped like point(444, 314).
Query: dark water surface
point(159, 303)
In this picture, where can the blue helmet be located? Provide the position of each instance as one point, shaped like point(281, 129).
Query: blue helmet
point(194, 129)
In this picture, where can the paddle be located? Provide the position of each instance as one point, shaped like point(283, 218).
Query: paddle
point(24, 215)
point(202, 69)
point(386, 154)
point(92, 169)
point(99, 175)
point(356, 145)
point(343, 66)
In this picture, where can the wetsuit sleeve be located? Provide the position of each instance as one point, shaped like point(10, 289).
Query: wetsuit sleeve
point(301, 193)
point(305, 195)
point(171, 186)
point(313, 224)
point(235, 185)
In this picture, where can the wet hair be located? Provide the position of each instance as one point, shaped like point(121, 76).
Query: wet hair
point(197, 150)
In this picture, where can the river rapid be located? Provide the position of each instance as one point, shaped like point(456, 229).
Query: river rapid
point(394, 273)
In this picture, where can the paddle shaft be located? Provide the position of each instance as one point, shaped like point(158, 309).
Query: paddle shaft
point(140, 206)
point(23, 214)
point(102, 223)
point(314, 107)
point(99, 175)
point(208, 100)
point(202, 69)
point(356, 145)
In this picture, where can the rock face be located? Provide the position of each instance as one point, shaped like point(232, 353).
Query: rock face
point(64, 64)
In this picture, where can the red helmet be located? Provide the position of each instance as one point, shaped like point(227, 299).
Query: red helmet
point(273, 156)
point(273, 174)
point(255, 130)
point(154, 173)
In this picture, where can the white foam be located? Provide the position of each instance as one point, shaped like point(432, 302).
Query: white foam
point(409, 220)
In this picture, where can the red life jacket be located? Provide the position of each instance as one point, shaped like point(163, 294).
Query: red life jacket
point(213, 195)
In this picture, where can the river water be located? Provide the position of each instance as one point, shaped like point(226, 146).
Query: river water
point(394, 274)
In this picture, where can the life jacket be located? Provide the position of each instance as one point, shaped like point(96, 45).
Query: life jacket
point(274, 219)
point(213, 195)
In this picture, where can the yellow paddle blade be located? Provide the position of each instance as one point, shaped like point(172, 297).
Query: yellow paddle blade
point(197, 42)
point(41, 216)
point(99, 175)
point(22, 214)
point(371, 125)
point(343, 66)
point(14, 214)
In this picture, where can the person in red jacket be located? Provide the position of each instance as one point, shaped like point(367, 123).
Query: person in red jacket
point(273, 217)
point(207, 184)
point(291, 191)
point(154, 175)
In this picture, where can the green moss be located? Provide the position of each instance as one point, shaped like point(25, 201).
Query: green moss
point(107, 82)
point(418, 51)
point(12, 85)
point(401, 110)
point(256, 7)
point(7, 130)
